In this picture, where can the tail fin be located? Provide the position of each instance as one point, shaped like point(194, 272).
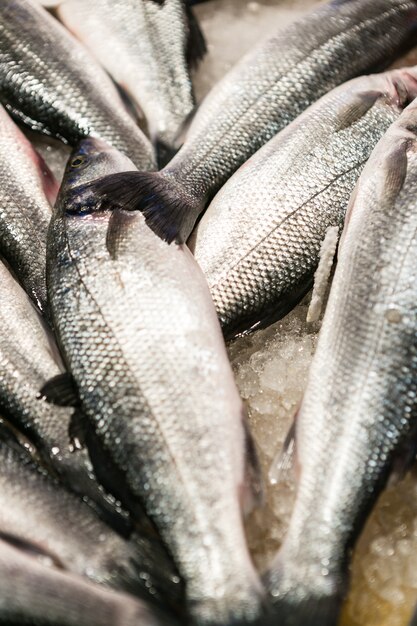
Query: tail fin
point(167, 208)
point(309, 611)
point(305, 597)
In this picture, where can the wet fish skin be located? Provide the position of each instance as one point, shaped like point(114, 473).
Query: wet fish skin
point(27, 189)
point(50, 82)
point(359, 411)
point(259, 241)
point(261, 95)
point(28, 358)
point(141, 339)
point(35, 594)
point(144, 45)
point(37, 511)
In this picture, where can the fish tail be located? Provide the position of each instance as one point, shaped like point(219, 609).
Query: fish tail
point(307, 599)
point(168, 210)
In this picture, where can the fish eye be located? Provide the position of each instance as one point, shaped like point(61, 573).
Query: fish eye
point(78, 161)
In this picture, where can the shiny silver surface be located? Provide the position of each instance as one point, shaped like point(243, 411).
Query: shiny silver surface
point(32, 593)
point(141, 338)
point(50, 82)
point(143, 45)
point(259, 241)
point(277, 81)
point(26, 188)
point(358, 415)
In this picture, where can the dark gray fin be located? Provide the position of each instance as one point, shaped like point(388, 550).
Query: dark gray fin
point(283, 464)
point(164, 152)
point(405, 458)
point(311, 611)
point(60, 390)
point(77, 430)
point(169, 212)
point(31, 549)
point(196, 44)
point(254, 494)
point(274, 312)
point(118, 223)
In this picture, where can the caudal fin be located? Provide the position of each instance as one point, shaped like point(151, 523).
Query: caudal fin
point(168, 210)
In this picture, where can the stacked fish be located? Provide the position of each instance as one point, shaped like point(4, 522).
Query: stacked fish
point(127, 464)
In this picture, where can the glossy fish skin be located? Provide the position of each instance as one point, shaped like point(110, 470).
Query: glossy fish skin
point(35, 510)
point(38, 595)
point(259, 241)
point(27, 188)
point(162, 412)
point(144, 45)
point(261, 95)
point(359, 411)
point(50, 82)
point(28, 358)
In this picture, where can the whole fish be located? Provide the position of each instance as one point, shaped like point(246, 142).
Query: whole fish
point(147, 46)
point(266, 90)
point(259, 241)
point(28, 359)
point(162, 415)
point(27, 188)
point(49, 82)
point(358, 418)
point(33, 593)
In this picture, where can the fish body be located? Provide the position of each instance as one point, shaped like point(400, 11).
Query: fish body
point(33, 593)
point(49, 82)
point(357, 420)
point(147, 46)
point(37, 511)
point(259, 241)
point(162, 412)
point(29, 357)
point(261, 95)
point(27, 189)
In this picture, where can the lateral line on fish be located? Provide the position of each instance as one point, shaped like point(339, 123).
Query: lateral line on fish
point(173, 458)
point(287, 217)
point(283, 76)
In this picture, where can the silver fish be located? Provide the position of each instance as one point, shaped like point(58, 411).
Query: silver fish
point(147, 46)
point(39, 513)
point(26, 190)
point(358, 415)
point(259, 241)
point(35, 594)
point(28, 359)
point(49, 81)
point(266, 90)
point(162, 412)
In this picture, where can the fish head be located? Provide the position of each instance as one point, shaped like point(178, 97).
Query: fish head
point(90, 160)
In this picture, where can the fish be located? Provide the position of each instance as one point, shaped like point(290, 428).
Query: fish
point(259, 241)
point(160, 412)
point(38, 512)
point(148, 47)
point(29, 358)
point(27, 191)
point(39, 595)
point(357, 426)
point(49, 82)
point(273, 84)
